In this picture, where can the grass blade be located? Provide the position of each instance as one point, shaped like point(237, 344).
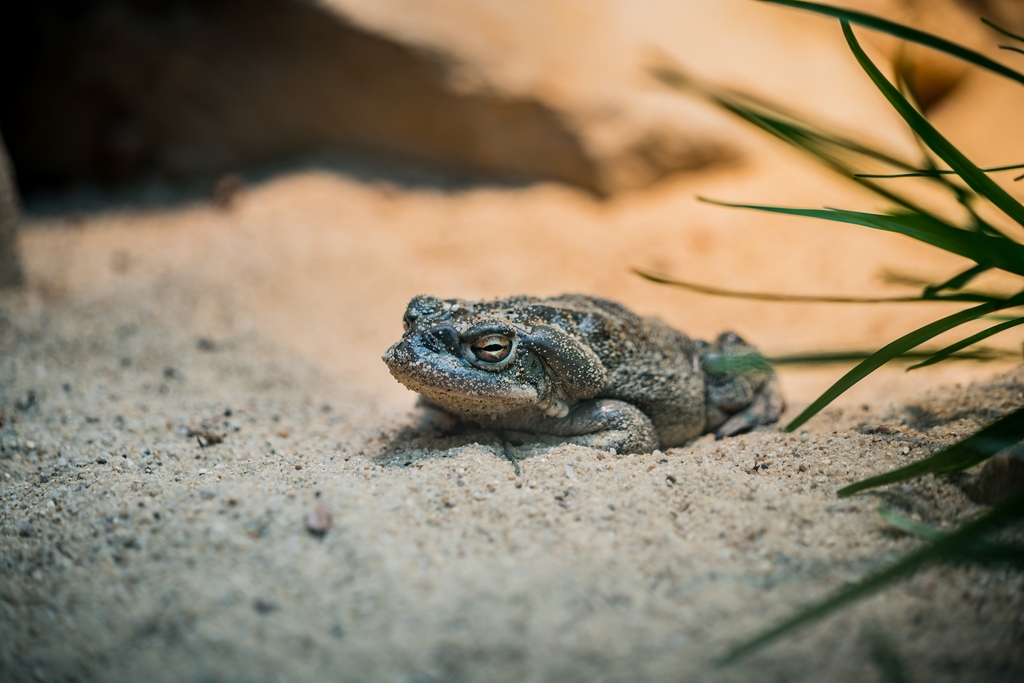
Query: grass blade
point(762, 296)
point(968, 297)
point(887, 353)
point(983, 249)
point(925, 173)
point(832, 358)
point(952, 545)
point(996, 554)
point(964, 196)
point(1002, 30)
point(909, 526)
point(830, 150)
point(978, 552)
point(948, 352)
point(736, 364)
point(958, 281)
point(773, 119)
point(906, 33)
point(968, 172)
point(835, 152)
point(1003, 433)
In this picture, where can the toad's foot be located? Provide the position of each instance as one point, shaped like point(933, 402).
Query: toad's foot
point(764, 409)
point(741, 390)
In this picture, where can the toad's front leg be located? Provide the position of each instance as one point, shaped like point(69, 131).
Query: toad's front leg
point(602, 423)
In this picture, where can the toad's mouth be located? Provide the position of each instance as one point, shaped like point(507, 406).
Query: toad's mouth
point(442, 376)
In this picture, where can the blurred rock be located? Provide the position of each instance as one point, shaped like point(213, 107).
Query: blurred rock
point(118, 89)
point(590, 63)
point(10, 268)
point(1000, 478)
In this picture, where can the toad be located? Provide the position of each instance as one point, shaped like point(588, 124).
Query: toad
point(582, 370)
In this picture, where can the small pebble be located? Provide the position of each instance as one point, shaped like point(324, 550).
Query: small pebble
point(263, 607)
point(318, 520)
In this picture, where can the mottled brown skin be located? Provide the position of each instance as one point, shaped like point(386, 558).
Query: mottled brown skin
point(582, 370)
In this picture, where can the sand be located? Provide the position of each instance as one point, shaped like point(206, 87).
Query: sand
point(136, 546)
point(134, 549)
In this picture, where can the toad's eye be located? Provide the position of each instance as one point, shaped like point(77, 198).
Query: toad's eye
point(405, 325)
point(492, 348)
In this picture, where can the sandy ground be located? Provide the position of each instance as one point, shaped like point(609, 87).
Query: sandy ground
point(128, 551)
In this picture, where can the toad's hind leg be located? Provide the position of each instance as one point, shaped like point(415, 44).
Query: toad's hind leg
point(741, 389)
point(602, 423)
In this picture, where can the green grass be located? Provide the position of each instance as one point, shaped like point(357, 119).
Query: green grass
point(968, 235)
point(963, 546)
